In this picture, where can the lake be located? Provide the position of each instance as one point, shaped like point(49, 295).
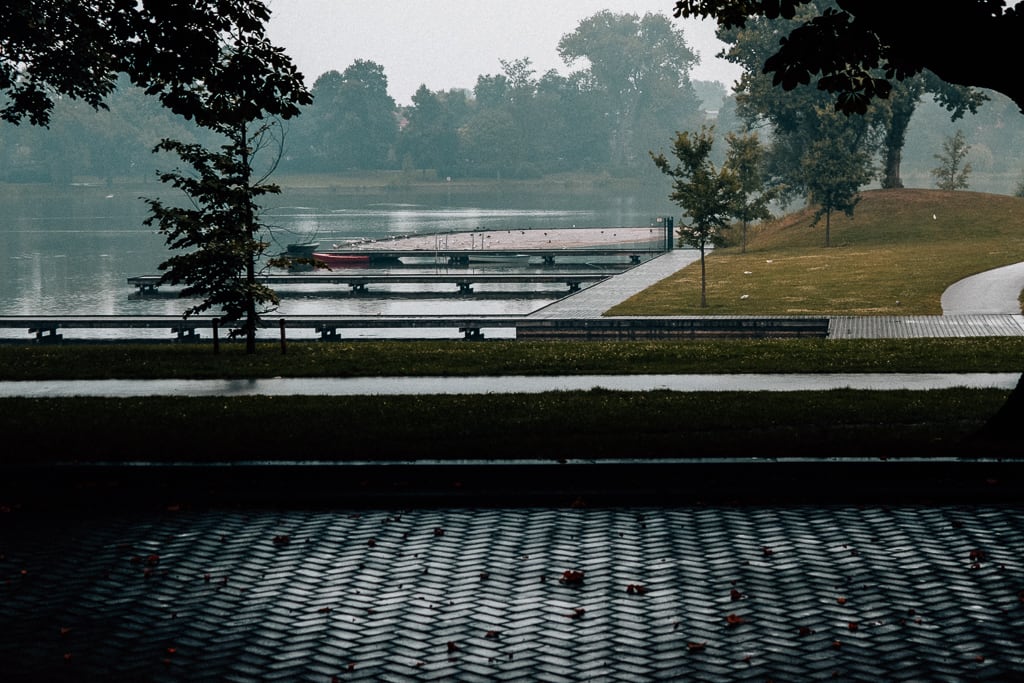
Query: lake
point(69, 250)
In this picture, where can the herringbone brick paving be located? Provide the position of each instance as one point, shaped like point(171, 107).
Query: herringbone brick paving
point(907, 593)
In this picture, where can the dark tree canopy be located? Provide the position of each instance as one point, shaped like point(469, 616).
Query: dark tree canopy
point(170, 48)
point(860, 49)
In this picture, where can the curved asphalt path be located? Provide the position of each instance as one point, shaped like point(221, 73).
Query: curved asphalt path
point(995, 292)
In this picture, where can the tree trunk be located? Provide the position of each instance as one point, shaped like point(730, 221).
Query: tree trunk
point(1001, 435)
point(703, 279)
point(249, 226)
point(902, 105)
point(828, 227)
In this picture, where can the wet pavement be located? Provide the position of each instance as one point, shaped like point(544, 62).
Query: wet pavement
point(385, 386)
point(571, 593)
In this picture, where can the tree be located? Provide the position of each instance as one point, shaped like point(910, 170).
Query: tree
point(746, 156)
point(707, 195)
point(952, 172)
point(430, 138)
point(859, 49)
point(251, 86)
point(835, 167)
point(641, 66)
point(70, 48)
point(758, 39)
point(352, 123)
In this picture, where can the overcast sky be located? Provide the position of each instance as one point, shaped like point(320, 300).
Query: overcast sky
point(448, 43)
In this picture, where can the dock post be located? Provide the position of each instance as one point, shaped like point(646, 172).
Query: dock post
point(216, 337)
point(284, 343)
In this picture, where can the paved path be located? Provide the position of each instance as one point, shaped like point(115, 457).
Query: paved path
point(708, 593)
point(995, 291)
point(965, 313)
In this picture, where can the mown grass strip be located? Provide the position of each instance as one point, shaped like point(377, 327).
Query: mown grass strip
point(591, 424)
point(493, 358)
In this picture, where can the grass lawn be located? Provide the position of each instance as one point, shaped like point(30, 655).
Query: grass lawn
point(895, 256)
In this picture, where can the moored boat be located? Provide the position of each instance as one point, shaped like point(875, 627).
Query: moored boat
point(342, 260)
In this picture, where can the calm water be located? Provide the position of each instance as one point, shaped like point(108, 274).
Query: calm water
point(69, 250)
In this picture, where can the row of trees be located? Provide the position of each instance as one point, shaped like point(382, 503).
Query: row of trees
point(629, 84)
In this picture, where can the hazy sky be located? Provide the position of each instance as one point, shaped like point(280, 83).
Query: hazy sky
point(448, 43)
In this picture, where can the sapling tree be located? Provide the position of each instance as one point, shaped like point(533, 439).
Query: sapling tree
point(707, 195)
point(746, 157)
point(242, 99)
point(952, 171)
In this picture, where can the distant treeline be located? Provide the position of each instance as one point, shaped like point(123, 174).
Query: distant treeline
point(603, 118)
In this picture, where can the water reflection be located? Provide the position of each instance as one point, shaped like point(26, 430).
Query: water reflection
point(69, 251)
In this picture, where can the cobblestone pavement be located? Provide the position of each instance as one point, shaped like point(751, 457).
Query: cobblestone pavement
point(712, 593)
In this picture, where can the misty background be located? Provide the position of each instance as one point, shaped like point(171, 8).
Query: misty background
point(599, 112)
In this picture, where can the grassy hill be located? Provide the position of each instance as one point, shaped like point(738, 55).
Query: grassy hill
point(895, 256)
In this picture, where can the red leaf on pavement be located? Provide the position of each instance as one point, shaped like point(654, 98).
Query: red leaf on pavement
point(577, 613)
point(735, 595)
point(493, 635)
point(438, 531)
point(841, 600)
point(806, 630)
point(696, 647)
point(853, 626)
point(977, 555)
point(768, 552)
point(837, 644)
point(636, 589)
point(734, 620)
point(573, 577)
point(452, 646)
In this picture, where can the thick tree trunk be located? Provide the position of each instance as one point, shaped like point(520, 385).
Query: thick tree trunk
point(1002, 434)
point(896, 137)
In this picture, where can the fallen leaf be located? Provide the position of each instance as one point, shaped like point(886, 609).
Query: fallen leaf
point(734, 620)
point(452, 646)
point(977, 555)
point(438, 531)
point(853, 626)
point(573, 577)
point(841, 600)
point(735, 595)
point(767, 552)
point(493, 635)
point(577, 613)
point(636, 589)
point(806, 630)
point(696, 647)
